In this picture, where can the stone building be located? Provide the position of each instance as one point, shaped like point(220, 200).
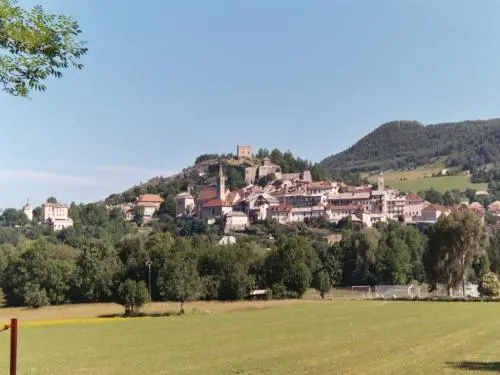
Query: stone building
point(244, 152)
point(185, 203)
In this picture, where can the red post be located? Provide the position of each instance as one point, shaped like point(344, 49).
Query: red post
point(13, 346)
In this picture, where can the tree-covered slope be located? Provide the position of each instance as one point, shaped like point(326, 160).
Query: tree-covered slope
point(408, 144)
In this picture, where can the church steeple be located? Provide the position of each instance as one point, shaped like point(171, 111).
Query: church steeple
point(380, 182)
point(221, 185)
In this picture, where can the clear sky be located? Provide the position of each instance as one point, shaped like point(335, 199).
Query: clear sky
point(167, 80)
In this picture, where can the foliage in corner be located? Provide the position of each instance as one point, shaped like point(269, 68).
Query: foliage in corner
point(35, 45)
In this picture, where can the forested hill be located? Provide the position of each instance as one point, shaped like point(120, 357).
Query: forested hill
point(408, 144)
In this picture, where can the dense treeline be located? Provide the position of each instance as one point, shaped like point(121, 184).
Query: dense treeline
point(103, 258)
point(448, 198)
point(486, 175)
point(408, 144)
point(290, 164)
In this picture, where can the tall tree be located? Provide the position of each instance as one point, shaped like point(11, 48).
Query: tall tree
point(12, 217)
point(454, 243)
point(179, 280)
point(493, 251)
point(291, 264)
point(35, 45)
point(98, 269)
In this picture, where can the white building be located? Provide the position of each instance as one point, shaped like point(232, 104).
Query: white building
point(151, 204)
point(431, 214)
point(56, 215)
point(185, 203)
point(235, 220)
point(28, 210)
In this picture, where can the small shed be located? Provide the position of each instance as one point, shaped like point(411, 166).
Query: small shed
point(257, 294)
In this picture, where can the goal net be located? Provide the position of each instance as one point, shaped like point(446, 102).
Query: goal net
point(361, 291)
point(397, 291)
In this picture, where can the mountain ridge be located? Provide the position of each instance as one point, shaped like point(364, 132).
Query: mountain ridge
point(408, 144)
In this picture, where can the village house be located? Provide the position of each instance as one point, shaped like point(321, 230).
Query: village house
point(256, 205)
point(395, 205)
point(323, 187)
point(280, 213)
point(413, 207)
point(335, 213)
point(300, 213)
point(151, 204)
point(494, 208)
point(362, 199)
point(431, 213)
point(56, 215)
point(477, 207)
point(235, 221)
point(185, 203)
point(302, 199)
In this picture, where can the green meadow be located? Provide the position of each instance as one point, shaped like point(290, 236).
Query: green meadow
point(287, 337)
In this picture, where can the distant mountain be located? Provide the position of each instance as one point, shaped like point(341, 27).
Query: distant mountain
point(409, 144)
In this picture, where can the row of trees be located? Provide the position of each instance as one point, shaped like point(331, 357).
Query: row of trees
point(103, 258)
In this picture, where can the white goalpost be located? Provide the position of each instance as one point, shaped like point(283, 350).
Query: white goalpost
point(361, 291)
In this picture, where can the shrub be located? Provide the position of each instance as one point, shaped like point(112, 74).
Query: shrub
point(321, 282)
point(35, 297)
point(132, 295)
point(489, 285)
point(278, 291)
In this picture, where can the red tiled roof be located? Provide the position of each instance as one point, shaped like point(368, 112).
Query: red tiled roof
point(495, 205)
point(217, 203)
point(231, 197)
point(281, 208)
point(476, 206)
point(320, 185)
point(207, 193)
point(149, 198)
point(353, 207)
point(436, 207)
point(413, 197)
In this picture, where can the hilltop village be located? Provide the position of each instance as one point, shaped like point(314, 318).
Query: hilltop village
point(295, 197)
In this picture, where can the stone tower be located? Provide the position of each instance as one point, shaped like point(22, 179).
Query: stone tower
point(221, 185)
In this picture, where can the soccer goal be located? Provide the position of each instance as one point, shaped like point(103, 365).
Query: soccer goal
point(361, 291)
point(397, 291)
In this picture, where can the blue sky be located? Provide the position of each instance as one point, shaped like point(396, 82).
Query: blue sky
point(168, 80)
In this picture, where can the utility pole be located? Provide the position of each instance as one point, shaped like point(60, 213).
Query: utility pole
point(148, 264)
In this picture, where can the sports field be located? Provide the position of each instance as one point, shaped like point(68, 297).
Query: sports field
point(288, 337)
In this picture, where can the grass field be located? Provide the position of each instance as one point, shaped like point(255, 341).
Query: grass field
point(420, 179)
point(438, 183)
point(286, 337)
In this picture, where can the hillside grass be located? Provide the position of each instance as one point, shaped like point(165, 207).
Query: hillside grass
point(285, 337)
point(420, 179)
point(441, 184)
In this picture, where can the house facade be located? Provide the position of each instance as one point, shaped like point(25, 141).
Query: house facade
point(151, 204)
point(56, 215)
